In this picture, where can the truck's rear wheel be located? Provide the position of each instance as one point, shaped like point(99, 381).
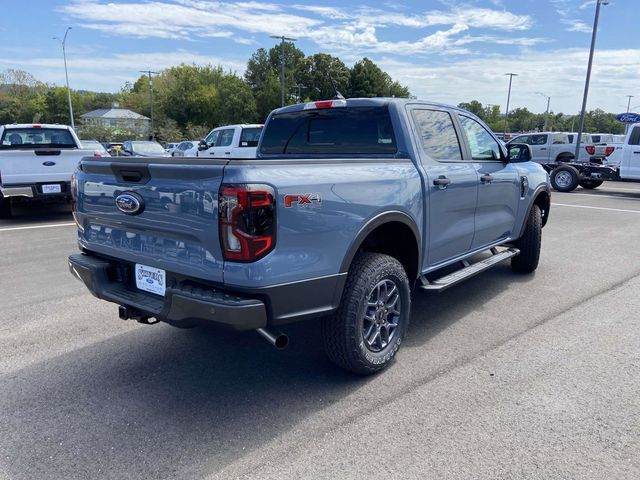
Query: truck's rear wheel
point(565, 178)
point(366, 331)
point(5, 207)
point(590, 184)
point(529, 243)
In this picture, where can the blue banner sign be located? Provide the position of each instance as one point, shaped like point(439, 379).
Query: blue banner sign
point(628, 117)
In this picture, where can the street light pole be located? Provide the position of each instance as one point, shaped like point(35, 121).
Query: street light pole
point(506, 115)
point(546, 114)
point(66, 74)
point(149, 72)
point(283, 39)
point(626, 126)
point(588, 78)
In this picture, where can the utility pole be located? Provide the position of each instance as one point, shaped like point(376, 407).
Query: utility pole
point(626, 125)
point(298, 89)
point(588, 78)
point(66, 74)
point(506, 115)
point(149, 72)
point(283, 39)
point(546, 115)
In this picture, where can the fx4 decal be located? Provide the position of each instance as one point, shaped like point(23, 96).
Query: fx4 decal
point(301, 199)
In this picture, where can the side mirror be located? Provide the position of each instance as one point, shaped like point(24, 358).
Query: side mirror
point(519, 152)
point(202, 145)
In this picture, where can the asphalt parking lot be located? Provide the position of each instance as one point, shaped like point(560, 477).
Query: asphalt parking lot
point(503, 376)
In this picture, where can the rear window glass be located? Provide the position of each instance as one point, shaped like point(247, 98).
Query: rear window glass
point(250, 136)
point(36, 138)
point(350, 130)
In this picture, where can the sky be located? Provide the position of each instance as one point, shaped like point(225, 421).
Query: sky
point(447, 51)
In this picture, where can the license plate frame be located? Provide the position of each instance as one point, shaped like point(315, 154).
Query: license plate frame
point(50, 188)
point(151, 279)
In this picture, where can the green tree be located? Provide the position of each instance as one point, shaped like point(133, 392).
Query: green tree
point(234, 102)
point(22, 97)
point(475, 107)
point(196, 132)
point(369, 80)
point(57, 105)
point(167, 130)
point(322, 75)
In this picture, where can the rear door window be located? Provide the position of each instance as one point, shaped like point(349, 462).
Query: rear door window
point(250, 136)
point(437, 134)
point(36, 138)
point(342, 130)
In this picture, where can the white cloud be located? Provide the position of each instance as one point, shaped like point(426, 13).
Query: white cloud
point(558, 73)
point(110, 72)
point(578, 26)
point(329, 27)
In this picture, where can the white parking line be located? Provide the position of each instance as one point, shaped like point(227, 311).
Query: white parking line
point(31, 227)
point(595, 208)
point(619, 189)
point(595, 195)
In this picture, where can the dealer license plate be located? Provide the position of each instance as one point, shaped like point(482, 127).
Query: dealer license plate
point(151, 279)
point(53, 188)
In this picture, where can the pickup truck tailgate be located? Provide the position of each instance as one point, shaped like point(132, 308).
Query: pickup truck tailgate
point(176, 227)
point(39, 165)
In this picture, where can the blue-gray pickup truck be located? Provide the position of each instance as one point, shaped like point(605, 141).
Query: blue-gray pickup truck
point(349, 207)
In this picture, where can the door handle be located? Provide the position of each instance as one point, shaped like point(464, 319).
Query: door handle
point(227, 153)
point(441, 181)
point(543, 148)
point(486, 178)
point(636, 151)
point(211, 153)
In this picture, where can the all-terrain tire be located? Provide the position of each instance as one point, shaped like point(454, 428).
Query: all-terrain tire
point(565, 178)
point(529, 243)
point(345, 332)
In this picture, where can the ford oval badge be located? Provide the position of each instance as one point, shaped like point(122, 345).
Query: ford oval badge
point(130, 203)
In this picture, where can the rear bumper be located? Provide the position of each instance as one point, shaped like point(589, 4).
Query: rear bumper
point(182, 305)
point(187, 302)
point(35, 190)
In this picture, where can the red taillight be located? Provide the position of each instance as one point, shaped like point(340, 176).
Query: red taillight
point(74, 196)
point(36, 126)
point(246, 221)
point(590, 149)
point(324, 104)
point(608, 151)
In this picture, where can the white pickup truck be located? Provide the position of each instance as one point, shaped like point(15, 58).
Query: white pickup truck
point(621, 163)
point(549, 147)
point(36, 163)
point(231, 141)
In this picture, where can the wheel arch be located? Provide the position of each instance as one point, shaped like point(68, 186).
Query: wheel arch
point(541, 198)
point(375, 235)
point(565, 157)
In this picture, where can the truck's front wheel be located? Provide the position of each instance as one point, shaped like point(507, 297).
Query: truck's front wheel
point(529, 243)
point(366, 331)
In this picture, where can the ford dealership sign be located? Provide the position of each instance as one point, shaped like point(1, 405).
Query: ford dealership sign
point(628, 117)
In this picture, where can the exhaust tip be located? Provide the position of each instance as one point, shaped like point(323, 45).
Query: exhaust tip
point(281, 341)
point(277, 339)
